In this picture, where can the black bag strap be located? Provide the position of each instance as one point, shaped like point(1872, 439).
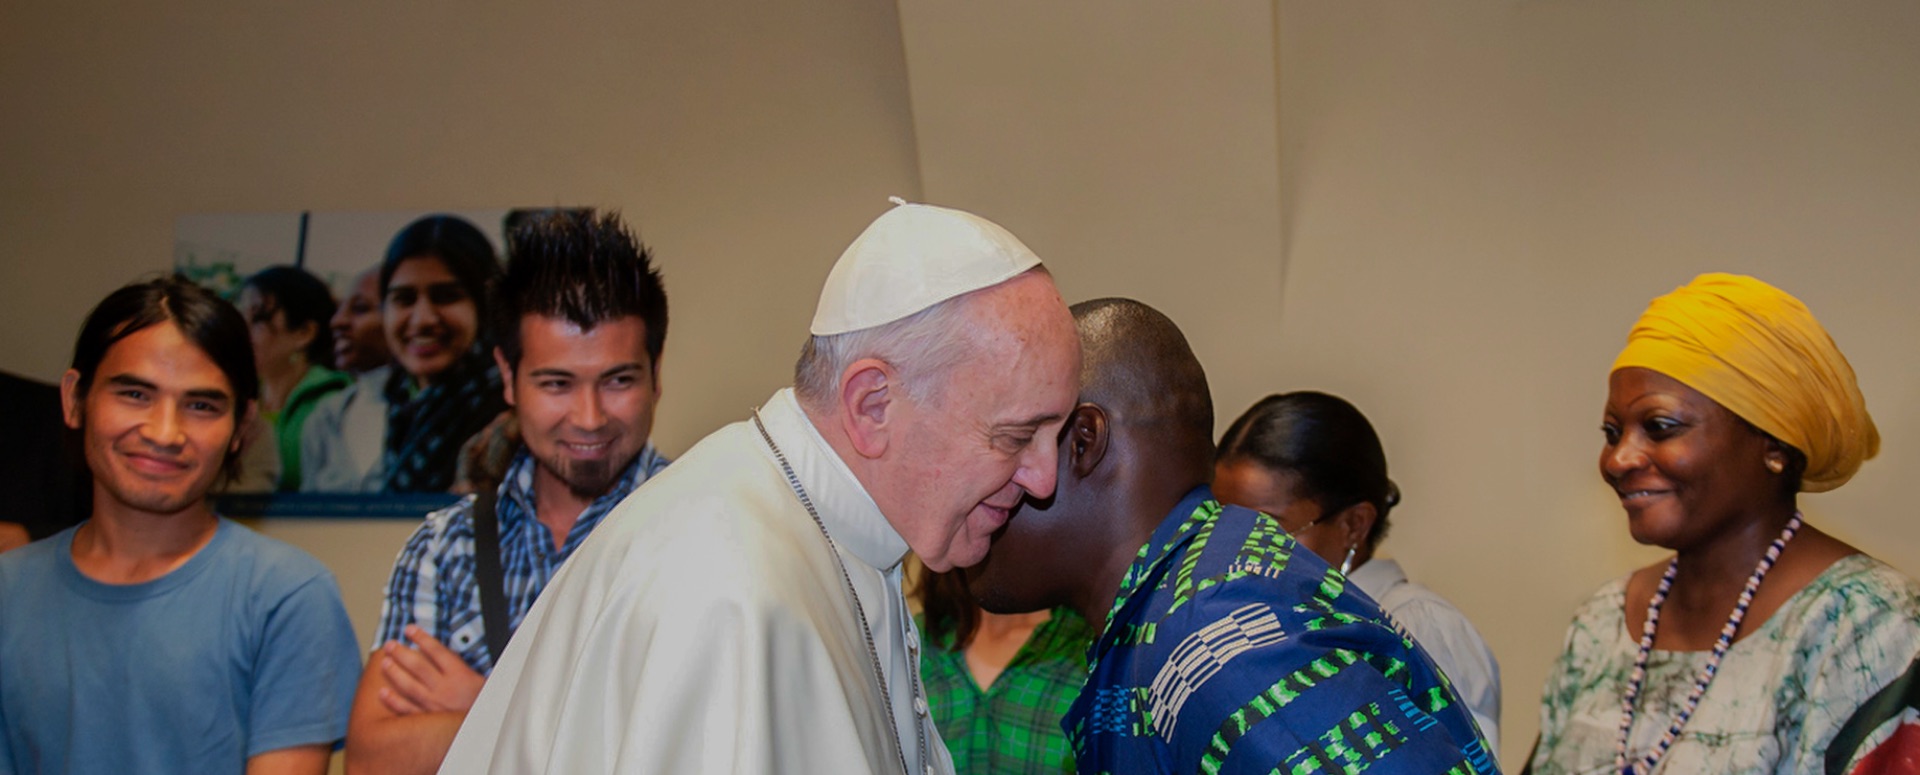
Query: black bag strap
point(492, 581)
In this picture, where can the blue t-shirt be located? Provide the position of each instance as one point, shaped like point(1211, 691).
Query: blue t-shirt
point(243, 650)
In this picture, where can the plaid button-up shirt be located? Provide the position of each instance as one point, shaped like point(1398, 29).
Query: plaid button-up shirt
point(1012, 726)
point(434, 585)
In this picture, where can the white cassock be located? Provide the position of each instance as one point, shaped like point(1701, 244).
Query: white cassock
point(704, 627)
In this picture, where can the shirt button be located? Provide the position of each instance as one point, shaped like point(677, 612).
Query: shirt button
point(930, 770)
point(920, 705)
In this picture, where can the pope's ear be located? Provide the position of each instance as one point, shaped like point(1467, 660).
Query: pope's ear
point(869, 405)
point(1087, 434)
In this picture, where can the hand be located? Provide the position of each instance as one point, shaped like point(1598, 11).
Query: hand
point(428, 678)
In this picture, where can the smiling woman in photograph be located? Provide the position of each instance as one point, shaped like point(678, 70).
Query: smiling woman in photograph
point(444, 389)
point(1760, 645)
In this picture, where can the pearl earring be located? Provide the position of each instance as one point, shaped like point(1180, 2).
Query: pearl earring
point(1776, 465)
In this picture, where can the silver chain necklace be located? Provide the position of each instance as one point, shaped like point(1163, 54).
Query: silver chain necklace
point(853, 596)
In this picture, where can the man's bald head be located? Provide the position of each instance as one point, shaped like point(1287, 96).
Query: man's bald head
point(1140, 439)
point(1136, 364)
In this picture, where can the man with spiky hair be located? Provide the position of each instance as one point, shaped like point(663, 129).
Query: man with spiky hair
point(581, 321)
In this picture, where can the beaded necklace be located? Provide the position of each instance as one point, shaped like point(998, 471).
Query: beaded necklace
point(1720, 646)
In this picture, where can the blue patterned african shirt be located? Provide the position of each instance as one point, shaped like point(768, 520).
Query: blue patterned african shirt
point(433, 582)
point(1232, 649)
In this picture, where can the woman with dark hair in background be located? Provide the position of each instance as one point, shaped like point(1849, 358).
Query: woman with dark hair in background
point(433, 287)
point(998, 684)
point(1763, 645)
point(288, 313)
point(1314, 463)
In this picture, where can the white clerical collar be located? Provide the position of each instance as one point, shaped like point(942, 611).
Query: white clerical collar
point(850, 514)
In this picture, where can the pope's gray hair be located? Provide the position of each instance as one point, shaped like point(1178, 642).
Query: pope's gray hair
point(922, 348)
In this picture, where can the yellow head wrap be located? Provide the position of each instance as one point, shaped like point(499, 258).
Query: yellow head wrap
point(1758, 352)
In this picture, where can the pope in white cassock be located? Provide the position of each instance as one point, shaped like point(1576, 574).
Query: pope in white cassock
point(741, 611)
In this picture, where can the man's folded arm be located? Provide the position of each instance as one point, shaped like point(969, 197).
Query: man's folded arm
point(383, 742)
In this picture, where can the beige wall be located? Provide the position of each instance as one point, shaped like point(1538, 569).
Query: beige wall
point(748, 142)
point(1448, 212)
point(1132, 145)
point(1482, 197)
point(1453, 220)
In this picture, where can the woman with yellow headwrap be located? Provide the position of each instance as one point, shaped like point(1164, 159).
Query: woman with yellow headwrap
point(1763, 645)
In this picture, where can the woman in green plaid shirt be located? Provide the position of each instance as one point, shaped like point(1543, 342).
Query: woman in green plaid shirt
point(1031, 667)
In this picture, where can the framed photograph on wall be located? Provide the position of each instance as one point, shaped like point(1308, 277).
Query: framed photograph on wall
point(379, 395)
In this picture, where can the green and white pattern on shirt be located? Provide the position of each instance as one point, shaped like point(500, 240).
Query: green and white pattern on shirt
point(1781, 693)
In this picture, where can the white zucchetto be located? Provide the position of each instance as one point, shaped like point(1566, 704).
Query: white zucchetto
point(913, 257)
